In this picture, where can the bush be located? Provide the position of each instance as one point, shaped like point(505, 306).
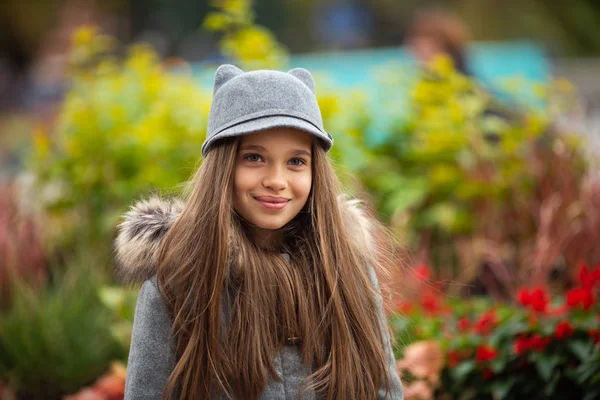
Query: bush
point(125, 128)
point(21, 254)
point(467, 181)
point(57, 340)
point(537, 347)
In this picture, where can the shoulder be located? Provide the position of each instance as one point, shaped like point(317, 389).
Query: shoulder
point(150, 304)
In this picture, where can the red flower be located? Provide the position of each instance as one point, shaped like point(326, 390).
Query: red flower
point(563, 330)
point(423, 272)
point(595, 334)
point(463, 324)
point(521, 345)
point(486, 322)
point(454, 358)
point(589, 279)
point(538, 342)
point(537, 299)
point(487, 374)
point(431, 303)
point(485, 353)
point(580, 296)
point(524, 297)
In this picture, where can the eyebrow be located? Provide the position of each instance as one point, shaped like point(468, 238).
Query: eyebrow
point(296, 152)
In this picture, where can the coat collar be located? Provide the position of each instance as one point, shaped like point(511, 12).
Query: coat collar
point(146, 223)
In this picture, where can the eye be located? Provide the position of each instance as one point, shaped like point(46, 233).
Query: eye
point(296, 162)
point(252, 157)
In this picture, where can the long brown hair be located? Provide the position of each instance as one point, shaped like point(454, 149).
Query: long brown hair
point(323, 294)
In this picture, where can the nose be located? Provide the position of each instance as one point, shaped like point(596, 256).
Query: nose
point(275, 179)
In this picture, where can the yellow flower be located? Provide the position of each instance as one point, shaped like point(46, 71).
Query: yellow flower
point(41, 141)
point(84, 36)
point(215, 21)
point(443, 65)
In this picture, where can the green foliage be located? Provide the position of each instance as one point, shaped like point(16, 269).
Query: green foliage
point(249, 45)
point(450, 153)
point(128, 127)
point(57, 340)
point(457, 166)
point(539, 347)
point(125, 127)
point(121, 301)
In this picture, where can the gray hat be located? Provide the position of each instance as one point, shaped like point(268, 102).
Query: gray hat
point(246, 102)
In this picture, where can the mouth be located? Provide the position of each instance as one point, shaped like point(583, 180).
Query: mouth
point(272, 203)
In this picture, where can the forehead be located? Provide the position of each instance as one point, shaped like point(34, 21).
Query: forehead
point(278, 137)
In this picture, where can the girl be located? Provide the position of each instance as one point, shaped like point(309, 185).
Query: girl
point(260, 285)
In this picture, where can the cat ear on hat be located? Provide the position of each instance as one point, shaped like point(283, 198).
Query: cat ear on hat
point(304, 76)
point(224, 74)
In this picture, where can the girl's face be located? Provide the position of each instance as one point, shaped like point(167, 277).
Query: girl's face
point(273, 177)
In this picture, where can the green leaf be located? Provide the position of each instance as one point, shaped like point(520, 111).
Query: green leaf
point(408, 194)
point(551, 386)
point(582, 349)
point(501, 388)
point(468, 394)
point(545, 365)
point(498, 364)
point(593, 395)
point(463, 369)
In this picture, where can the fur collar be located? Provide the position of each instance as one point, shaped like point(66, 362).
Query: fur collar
point(146, 223)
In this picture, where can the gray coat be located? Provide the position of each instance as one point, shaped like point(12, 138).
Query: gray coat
point(152, 357)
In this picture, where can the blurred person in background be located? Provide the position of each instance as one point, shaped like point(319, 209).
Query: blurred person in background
point(435, 32)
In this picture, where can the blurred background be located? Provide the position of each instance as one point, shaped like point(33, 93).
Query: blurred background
point(471, 129)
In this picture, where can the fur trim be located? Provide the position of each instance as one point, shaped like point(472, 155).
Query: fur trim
point(144, 226)
point(140, 235)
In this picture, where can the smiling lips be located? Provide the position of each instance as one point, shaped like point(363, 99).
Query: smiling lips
point(272, 203)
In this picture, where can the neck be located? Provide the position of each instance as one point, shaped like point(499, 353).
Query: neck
point(266, 238)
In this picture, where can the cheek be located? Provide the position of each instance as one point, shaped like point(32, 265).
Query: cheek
point(241, 183)
point(302, 185)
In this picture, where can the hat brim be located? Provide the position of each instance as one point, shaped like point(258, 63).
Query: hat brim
point(272, 121)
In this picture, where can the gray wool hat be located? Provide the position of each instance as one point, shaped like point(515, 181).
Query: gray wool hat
point(247, 102)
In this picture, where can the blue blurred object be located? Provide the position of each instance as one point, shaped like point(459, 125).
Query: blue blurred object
point(492, 63)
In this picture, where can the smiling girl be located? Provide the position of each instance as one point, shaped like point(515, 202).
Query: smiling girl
point(260, 282)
